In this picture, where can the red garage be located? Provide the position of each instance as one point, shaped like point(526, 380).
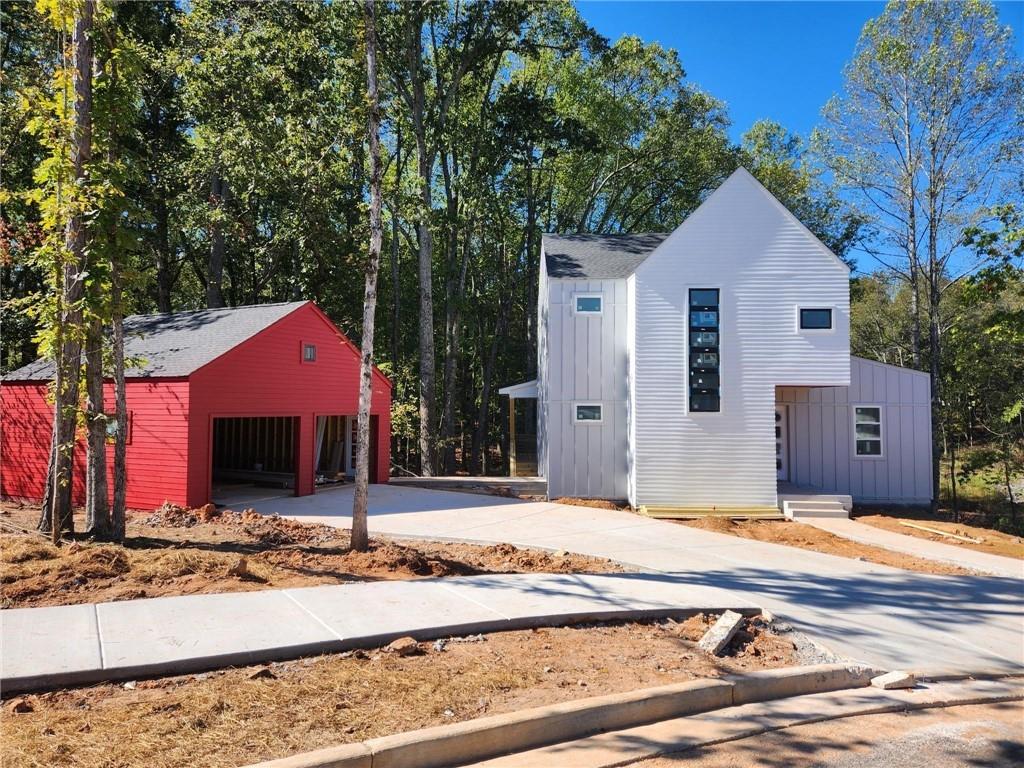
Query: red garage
point(223, 404)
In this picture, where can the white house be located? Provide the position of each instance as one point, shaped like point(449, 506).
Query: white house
point(710, 369)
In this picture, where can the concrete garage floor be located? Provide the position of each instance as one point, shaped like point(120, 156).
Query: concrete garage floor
point(883, 616)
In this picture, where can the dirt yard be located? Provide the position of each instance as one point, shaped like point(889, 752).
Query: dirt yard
point(180, 552)
point(990, 541)
point(239, 716)
point(808, 537)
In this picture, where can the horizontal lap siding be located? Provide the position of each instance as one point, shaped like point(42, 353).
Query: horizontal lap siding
point(265, 376)
point(586, 363)
point(156, 457)
point(821, 443)
point(765, 265)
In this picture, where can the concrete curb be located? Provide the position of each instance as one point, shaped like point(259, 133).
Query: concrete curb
point(487, 737)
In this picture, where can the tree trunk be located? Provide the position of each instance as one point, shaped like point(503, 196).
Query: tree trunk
point(215, 267)
point(118, 512)
point(360, 536)
point(164, 276)
point(73, 285)
point(426, 255)
point(396, 286)
point(97, 500)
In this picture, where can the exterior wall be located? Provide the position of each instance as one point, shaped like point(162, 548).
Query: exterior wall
point(265, 376)
point(586, 363)
point(157, 452)
point(631, 390)
point(766, 264)
point(542, 369)
point(820, 424)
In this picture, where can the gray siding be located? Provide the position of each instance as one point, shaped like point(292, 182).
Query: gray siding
point(820, 423)
point(542, 370)
point(586, 363)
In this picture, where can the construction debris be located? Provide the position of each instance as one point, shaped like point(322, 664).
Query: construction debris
point(717, 638)
point(894, 679)
point(928, 529)
point(240, 569)
point(404, 646)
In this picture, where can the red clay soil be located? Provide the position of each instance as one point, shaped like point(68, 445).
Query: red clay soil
point(988, 540)
point(173, 551)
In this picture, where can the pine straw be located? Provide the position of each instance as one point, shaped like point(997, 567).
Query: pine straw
point(229, 718)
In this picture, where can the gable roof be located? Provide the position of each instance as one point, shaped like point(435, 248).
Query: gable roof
point(179, 343)
point(598, 257)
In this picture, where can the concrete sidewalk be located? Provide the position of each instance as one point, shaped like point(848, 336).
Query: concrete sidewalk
point(710, 728)
point(78, 644)
point(982, 562)
point(884, 617)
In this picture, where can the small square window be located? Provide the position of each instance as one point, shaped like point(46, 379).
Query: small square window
point(309, 353)
point(816, 319)
point(588, 305)
point(588, 413)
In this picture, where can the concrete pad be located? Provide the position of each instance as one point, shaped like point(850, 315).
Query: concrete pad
point(171, 635)
point(37, 645)
point(374, 613)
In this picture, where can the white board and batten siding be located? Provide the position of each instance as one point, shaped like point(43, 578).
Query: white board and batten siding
point(821, 443)
point(766, 265)
point(584, 362)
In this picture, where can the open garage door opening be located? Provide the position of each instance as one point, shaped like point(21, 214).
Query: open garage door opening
point(254, 458)
point(336, 447)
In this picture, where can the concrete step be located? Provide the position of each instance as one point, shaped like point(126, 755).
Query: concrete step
point(797, 509)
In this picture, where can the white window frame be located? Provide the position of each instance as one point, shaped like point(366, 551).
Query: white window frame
point(881, 431)
point(598, 296)
point(832, 310)
point(575, 413)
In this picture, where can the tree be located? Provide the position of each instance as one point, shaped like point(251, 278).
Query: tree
point(360, 540)
point(927, 139)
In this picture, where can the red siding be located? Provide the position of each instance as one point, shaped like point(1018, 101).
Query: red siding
point(169, 454)
point(265, 376)
point(157, 455)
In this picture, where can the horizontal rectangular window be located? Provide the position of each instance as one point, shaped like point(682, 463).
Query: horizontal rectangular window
point(703, 334)
point(867, 430)
point(588, 412)
point(588, 305)
point(815, 319)
point(704, 318)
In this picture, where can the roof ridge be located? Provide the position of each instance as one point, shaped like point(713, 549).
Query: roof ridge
point(218, 309)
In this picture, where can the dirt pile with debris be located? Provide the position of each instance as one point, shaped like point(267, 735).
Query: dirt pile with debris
point(177, 551)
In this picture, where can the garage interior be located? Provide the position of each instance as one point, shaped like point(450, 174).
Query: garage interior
point(335, 453)
point(252, 454)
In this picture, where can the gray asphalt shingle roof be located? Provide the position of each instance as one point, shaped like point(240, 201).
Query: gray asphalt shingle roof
point(598, 257)
point(171, 345)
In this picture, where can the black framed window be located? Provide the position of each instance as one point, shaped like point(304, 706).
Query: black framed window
point(816, 319)
point(704, 340)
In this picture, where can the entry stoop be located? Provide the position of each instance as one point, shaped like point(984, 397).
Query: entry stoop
point(796, 501)
point(795, 510)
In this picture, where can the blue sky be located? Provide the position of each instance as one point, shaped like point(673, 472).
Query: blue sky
point(779, 60)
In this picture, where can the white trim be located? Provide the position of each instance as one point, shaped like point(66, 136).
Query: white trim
point(881, 431)
point(582, 295)
point(817, 331)
point(524, 391)
point(575, 413)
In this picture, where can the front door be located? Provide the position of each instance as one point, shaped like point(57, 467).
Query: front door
point(781, 444)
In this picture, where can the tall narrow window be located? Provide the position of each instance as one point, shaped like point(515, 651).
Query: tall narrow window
point(704, 339)
point(867, 428)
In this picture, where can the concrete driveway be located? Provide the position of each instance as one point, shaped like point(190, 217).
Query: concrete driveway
point(871, 613)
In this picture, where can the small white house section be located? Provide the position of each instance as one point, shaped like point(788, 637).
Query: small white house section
point(705, 368)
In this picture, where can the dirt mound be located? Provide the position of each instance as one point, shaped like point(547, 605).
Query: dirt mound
point(268, 530)
point(397, 558)
point(507, 558)
point(593, 503)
